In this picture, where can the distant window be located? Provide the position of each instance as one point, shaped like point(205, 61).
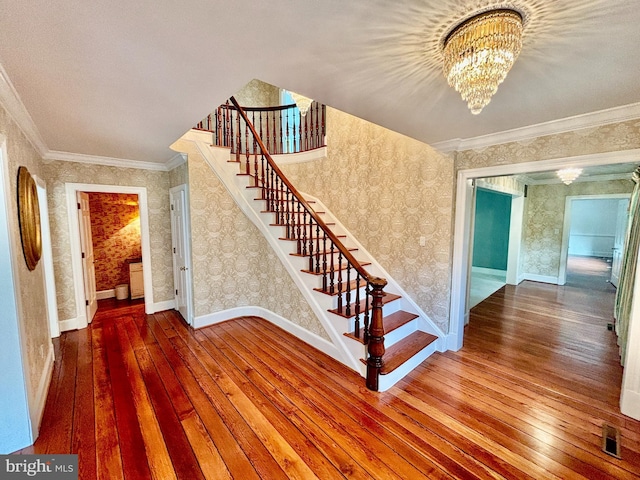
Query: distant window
point(290, 123)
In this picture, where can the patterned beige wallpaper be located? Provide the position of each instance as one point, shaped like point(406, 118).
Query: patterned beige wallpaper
point(233, 265)
point(59, 173)
point(258, 94)
point(544, 220)
point(179, 175)
point(389, 190)
point(606, 138)
point(30, 283)
point(115, 232)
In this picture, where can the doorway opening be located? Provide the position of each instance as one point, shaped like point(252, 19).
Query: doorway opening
point(72, 191)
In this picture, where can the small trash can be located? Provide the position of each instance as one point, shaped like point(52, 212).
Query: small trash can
point(122, 291)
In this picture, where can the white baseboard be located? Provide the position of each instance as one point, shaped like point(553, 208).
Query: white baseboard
point(41, 395)
point(69, 324)
point(104, 294)
point(489, 271)
point(450, 342)
point(250, 311)
point(162, 306)
point(540, 278)
point(630, 403)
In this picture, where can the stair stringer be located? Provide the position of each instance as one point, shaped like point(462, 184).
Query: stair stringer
point(227, 172)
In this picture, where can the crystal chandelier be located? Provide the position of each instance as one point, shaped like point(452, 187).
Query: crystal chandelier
point(303, 103)
point(479, 53)
point(568, 175)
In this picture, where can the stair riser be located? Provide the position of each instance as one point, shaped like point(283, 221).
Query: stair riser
point(387, 381)
point(400, 333)
point(387, 309)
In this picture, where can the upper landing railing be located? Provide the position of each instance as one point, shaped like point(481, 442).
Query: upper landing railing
point(283, 129)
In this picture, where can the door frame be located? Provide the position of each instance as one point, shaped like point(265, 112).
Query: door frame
point(186, 227)
point(566, 227)
point(460, 261)
point(47, 258)
point(76, 255)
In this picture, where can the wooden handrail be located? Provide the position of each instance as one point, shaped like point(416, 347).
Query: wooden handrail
point(373, 335)
point(344, 250)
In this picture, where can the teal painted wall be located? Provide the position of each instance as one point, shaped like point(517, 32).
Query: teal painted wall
point(491, 235)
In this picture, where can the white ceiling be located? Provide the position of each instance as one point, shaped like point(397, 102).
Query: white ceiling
point(125, 79)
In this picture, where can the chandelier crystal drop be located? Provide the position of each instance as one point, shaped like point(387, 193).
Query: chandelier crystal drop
point(479, 53)
point(303, 103)
point(568, 175)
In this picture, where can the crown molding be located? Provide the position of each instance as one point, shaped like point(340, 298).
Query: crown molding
point(52, 156)
point(12, 102)
point(562, 125)
point(177, 160)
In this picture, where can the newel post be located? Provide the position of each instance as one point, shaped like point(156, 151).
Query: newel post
point(375, 346)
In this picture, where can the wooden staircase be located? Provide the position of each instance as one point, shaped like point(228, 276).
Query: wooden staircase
point(377, 328)
point(403, 339)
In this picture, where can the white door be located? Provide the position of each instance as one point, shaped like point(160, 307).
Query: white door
point(88, 266)
point(618, 243)
point(181, 251)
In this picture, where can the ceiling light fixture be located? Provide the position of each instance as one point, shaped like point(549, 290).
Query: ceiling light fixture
point(568, 175)
point(303, 103)
point(479, 53)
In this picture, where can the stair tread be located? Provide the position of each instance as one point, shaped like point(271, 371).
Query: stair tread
point(300, 224)
point(400, 352)
point(308, 238)
point(318, 212)
point(391, 322)
point(335, 269)
point(328, 252)
point(386, 298)
point(352, 286)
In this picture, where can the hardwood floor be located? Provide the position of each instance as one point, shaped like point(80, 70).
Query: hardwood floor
point(143, 396)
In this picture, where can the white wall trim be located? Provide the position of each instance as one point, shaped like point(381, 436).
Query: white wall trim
point(47, 259)
point(71, 324)
point(566, 228)
point(630, 393)
point(300, 157)
point(464, 215)
point(177, 160)
point(42, 392)
point(104, 294)
point(534, 277)
point(52, 156)
point(489, 271)
point(74, 238)
point(252, 311)
point(162, 306)
point(562, 125)
point(13, 103)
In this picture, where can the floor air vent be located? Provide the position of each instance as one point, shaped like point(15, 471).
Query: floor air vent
point(611, 440)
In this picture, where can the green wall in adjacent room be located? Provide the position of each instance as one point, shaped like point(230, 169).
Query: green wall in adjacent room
point(491, 236)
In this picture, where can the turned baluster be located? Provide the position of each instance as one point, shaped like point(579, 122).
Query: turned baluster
point(311, 246)
point(289, 229)
point(317, 248)
point(283, 205)
point(262, 178)
point(271, 202)
point(304, 232)
point(357, 320)
point(367, 295)
point(348, 290)
point(340, 281)
point(376, 340)
point(332, 270)
point(298, 217)
point(324, 262)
